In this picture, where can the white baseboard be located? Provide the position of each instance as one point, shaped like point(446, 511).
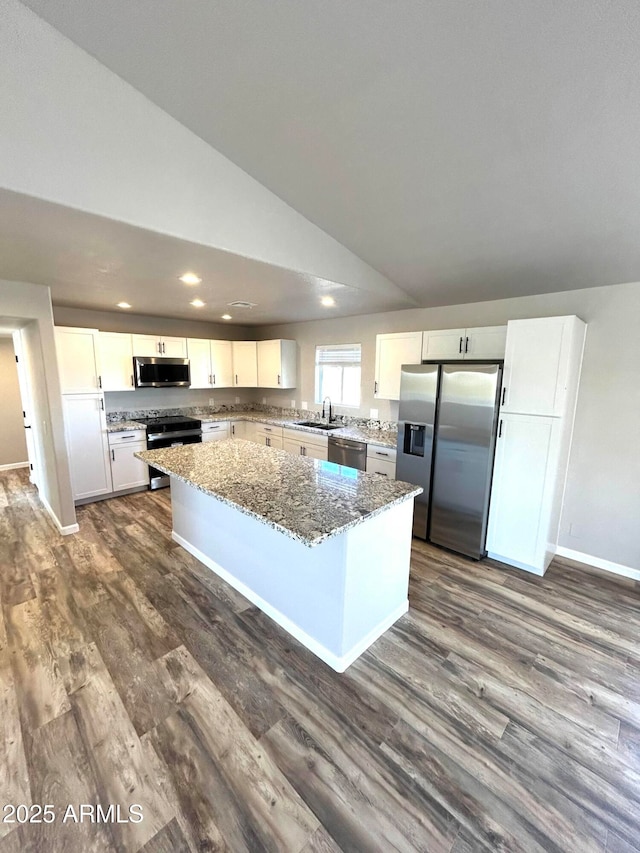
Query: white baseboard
point(599, 563)
point(339, 664)
point(13, 465)
point(65, 530)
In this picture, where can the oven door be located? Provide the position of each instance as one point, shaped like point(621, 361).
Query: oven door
point(158, 479)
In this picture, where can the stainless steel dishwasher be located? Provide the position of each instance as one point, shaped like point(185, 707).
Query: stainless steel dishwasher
point(344, 451)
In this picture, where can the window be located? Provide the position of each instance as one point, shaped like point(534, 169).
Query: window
point(338, 374)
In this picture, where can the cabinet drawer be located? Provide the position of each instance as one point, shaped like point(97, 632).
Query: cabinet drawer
point(386, 454)
point(128, 437)
point(382, 467)
point(215, 426)
point(267, 430)
point(307, 439)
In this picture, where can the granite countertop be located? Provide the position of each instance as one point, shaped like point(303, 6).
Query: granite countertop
point(125, 426)
point(381, 437)
point(306, 499)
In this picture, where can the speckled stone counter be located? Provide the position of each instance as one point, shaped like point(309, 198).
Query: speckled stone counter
point(306, 499)
point(124, 426)
point(322, 550)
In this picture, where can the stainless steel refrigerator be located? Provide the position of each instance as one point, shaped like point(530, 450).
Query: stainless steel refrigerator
point(447, 425)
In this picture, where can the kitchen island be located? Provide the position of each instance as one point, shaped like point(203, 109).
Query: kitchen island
point(322, 549)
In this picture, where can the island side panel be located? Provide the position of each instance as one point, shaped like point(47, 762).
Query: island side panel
point(301, 588)
point(377, 578)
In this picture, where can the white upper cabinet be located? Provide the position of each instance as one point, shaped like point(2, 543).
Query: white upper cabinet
point(77, 351)
point(392, 351)
point(455, 344)
point(542, 362)
point(276, 364)
point(160, 345)
point(199, 354)
point(245, 364)
point(116, 361)
point(221, 364)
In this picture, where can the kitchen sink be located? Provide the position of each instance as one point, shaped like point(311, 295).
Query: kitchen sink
point(317, 425)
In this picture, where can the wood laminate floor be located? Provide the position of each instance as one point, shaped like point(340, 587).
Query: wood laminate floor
point(501, 714)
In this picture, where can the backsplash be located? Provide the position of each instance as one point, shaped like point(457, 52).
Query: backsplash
point(258, 408)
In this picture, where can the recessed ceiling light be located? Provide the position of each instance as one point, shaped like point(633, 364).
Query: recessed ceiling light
point(190, 278)
point(123, 305)
point(226, 316)
point(197, 303)
point(328, 301)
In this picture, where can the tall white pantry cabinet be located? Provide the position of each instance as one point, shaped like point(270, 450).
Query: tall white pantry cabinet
point(85, 421)
point(538, 401)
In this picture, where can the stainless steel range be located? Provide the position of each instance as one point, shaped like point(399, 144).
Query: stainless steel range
point(169, 432)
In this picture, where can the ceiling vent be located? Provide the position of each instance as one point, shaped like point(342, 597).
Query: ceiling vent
point(241, 304)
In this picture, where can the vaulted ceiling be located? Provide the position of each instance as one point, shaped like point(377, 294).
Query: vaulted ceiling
point(466, 150)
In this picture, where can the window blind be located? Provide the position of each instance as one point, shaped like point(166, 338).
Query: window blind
point(338, 354)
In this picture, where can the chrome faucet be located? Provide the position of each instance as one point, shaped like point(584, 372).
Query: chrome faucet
point(330, 410)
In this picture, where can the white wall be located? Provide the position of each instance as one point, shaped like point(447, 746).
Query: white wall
point(28, 307)
point(74, 133)
point(13, 447)
point(602, 500)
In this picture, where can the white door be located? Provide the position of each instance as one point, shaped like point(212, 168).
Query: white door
point(245, 364)
point(174, 347)
point(443, 344)
point(486, 342)
point(199, 354)
point(115, 361)
point(87, 445)
point(522, 489)
point(221, 364)
point(127, 472)
point(146, 345)
point(269, 364)
point(27, 409)
point(77, 352)
point(392, 351)
point(535, 365)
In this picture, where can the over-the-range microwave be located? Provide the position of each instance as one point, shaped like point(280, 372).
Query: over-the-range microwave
point(152, 372)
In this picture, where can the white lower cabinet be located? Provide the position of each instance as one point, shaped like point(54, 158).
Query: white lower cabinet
point(305, 444)
point(127, 472)
point(269, 435)
point(87, 445)
point(381, 460)
point(215, 431)
point(521, 529)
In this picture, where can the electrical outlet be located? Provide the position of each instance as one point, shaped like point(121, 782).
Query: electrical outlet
point(303, 405)
point(237, 399)
point(373, 414)
point(212, 401)
point(293, 404)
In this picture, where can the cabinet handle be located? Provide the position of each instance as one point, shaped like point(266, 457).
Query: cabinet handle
point(233, 429)
point(278, 379)
point(113, 455)
point(504, 394)
point(99, 381)
point(267, 429)
point(460, 346)
point(382, 474)
point(380, 453)
point(500, 429)
point(213, 379)
point(466, 345)
point(102, 404)
point(375, 387)
point(132, 382)
point(159, 348)
point(236, 378)
point(164, 348)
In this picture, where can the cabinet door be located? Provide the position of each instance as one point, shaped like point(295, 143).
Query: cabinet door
point(485, 342)
point(239, 430)
point(87, 445)
point(174, 347)
point(146, 345)
point(292, 446)
point(522, 490)
point(221, 364)
point(269, 364)
point(199, 354)
point(116, 361)
point(315, 451)
point(443, 343)
point(535, 366)
point(77, 351)
point(245, 364)
point(392, 351)
point(127, 472)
